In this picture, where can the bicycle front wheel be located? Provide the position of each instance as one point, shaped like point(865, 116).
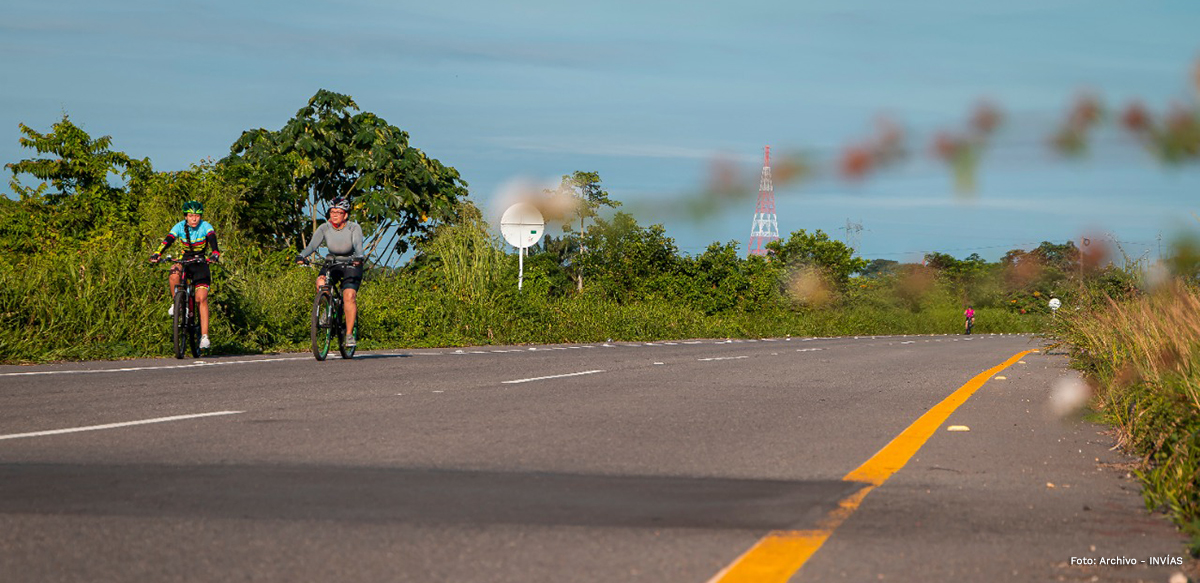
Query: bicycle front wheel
point(193, 326)
point(322, 324)
point(179, 324)
point(347, 351)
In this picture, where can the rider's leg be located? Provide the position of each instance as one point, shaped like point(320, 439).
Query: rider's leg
point(202, 302)
point(173, 280)
point(351, 308)
point(320, 281)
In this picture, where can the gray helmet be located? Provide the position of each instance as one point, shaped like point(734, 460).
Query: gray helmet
point(340, 202)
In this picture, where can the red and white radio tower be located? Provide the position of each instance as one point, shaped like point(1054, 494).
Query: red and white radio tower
point(765, 227)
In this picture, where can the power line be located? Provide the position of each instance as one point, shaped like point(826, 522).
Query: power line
point(1011, 246)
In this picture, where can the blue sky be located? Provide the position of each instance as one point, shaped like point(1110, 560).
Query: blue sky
point(649, 94)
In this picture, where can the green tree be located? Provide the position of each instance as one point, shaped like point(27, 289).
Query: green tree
point(328, 150)
point(880, 268)
point(630, 262)
point(833, 258)
point(1030, 277)
point(956, 270)
point(584, 189)
point(75, 200)
point(721, 280)
point(1061, 256)
point(561, 253)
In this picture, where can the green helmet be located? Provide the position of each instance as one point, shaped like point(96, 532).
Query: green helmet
point(193, 206)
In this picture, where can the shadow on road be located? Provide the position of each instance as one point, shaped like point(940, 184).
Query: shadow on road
point(374, 495)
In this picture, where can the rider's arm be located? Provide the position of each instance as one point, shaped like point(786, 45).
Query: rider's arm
point(174, 233)
point(356, 238)
point(317, 238)
point(166, 242)
point(210, 241)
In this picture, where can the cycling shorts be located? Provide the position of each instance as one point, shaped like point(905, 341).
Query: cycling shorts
point(198, 273)
point(349, 275)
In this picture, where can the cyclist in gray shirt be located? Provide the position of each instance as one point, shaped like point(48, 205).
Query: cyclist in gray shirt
point(344, 239)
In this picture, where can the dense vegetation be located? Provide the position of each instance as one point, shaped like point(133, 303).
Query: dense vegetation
point(75, 283)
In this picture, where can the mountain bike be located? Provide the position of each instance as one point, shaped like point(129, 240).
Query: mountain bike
point(186, 320)
point(328, 314)
point(970, 324)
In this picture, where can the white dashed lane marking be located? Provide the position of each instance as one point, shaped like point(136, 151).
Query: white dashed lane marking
point(117, 425)
point(195, 364)
point(555, 376)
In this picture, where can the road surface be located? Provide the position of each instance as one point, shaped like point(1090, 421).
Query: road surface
point(899, 458)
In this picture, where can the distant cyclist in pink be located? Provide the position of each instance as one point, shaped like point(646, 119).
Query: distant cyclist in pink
point(970, 314)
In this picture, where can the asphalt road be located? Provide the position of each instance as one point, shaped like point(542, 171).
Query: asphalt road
point(666, 461)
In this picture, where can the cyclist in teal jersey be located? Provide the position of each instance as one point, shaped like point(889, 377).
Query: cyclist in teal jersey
point(198, 238)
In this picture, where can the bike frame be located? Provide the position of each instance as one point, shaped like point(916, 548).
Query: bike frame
point(337, 315)
point(191, 321)
point(335, 322)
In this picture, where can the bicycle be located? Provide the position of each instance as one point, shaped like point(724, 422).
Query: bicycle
point(328, 314)
point(970, 324)
point(185, 328)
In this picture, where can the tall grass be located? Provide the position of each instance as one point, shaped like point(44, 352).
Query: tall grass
point(77, 306)
point(105, 301)
point(468, 261)
point(1142, 355)
point(104, 304)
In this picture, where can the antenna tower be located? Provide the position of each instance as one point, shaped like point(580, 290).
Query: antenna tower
point(765, 227)
point(853, 234)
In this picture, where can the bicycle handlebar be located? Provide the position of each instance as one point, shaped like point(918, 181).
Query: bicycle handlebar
point(331, 260)
point(183, 260)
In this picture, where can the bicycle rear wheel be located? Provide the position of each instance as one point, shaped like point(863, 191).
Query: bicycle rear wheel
point(322, 324)
point(179, 332)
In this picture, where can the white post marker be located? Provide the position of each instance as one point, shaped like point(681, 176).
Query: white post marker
point(1055, 304)
point(522, 226)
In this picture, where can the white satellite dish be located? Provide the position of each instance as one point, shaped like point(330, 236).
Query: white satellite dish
point(522, 226)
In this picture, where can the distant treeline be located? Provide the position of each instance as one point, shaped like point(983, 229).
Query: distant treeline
point(74, 281)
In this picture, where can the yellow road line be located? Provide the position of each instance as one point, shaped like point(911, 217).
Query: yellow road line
point(781, 553)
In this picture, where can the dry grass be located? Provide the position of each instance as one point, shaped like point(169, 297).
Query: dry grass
point(1151, 337)
point(1141, 355)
